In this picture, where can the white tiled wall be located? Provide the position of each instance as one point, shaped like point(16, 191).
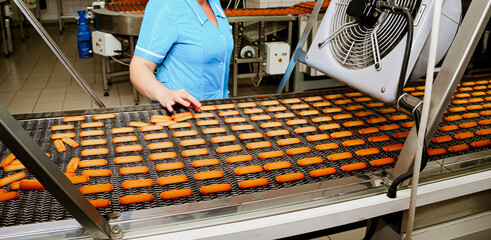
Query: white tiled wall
point(70, 7)
point(272, 3)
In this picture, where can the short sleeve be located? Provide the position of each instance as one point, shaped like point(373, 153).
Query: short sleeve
point(157, 32)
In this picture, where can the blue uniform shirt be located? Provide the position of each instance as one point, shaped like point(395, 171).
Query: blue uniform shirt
point(191, 52)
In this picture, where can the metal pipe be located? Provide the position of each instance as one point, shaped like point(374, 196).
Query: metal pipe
point(50, 176)
point(301, 42)
point(57, 51)
point(448, 78)
point(424, 117)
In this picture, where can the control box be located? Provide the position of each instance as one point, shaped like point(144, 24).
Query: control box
point(277, 57)
point(105, 44)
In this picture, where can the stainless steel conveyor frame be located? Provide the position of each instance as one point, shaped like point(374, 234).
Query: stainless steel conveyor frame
point(12, 134)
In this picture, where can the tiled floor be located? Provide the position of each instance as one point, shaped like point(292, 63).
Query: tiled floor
point(32, 79)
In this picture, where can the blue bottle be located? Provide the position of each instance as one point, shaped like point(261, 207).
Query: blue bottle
point(83, 36)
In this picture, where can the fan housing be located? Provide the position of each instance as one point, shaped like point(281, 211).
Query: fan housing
point(369, 57)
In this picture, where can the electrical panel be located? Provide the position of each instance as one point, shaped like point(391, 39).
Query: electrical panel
point(277, 57)
point(105, 44)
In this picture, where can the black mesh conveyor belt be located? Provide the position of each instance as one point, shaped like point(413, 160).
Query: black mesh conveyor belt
point(38, 205)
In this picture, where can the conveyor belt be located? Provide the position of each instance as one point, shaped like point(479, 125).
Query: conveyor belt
point(128, 6)
point(38, 205)
point(138, 7)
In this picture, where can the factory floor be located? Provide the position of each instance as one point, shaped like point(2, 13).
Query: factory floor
point(32, 79)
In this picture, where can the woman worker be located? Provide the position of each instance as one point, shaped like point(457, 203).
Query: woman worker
point(190, 43)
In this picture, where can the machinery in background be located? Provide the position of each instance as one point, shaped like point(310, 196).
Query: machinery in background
point(83, 36)
point(118, 25)
point(5, 27)
point(251, 31)
point(105, 44)
point(277, 57)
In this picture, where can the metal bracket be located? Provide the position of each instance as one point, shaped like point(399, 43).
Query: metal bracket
point(448, 78)
point(412, 101)
point(298, 49)
point(57, 51)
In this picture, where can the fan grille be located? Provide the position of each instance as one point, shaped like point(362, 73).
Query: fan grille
point(355, 46)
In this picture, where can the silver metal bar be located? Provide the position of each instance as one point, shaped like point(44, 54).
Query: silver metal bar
point(247, 75)
point(301, 42)
point(8, 32)
point(235, 64)
point(262, 40)
point(57, 51)
point(117, 74)
point(50, 176)
point(22, 32)
point(105, 75)
point(337, 32)
point(268, 18)
point(448, 78)
point(249, 60)
point(59, 4)
point(375, 48)
point(3, 31)
point(136, 97)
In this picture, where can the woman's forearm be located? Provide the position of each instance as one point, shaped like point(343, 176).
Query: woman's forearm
point(143, 78)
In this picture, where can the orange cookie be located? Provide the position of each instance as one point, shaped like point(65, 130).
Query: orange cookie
point(321, 119)
point(160, 145)
point(195, 152)
point(319, 137)
point(239, 158)
point(222, 139)
point(309, 161)
point(230, 148)
point(104, 116)
point(277, 165)
point(242, 127)
point(192, 142)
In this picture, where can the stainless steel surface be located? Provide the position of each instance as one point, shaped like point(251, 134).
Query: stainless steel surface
point(244, 208)
point(247, 205)
point(117, 23)
point(412, 101)
point(34, 158)
point(57, 51)
point(449, 210)
point(448, 78)
point(300, 44)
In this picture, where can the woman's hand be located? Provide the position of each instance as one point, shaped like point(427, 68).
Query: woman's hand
point(171, 97)
point(142, 77)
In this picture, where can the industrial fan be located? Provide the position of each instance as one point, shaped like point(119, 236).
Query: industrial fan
point(376, 46)
point(363, 45)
